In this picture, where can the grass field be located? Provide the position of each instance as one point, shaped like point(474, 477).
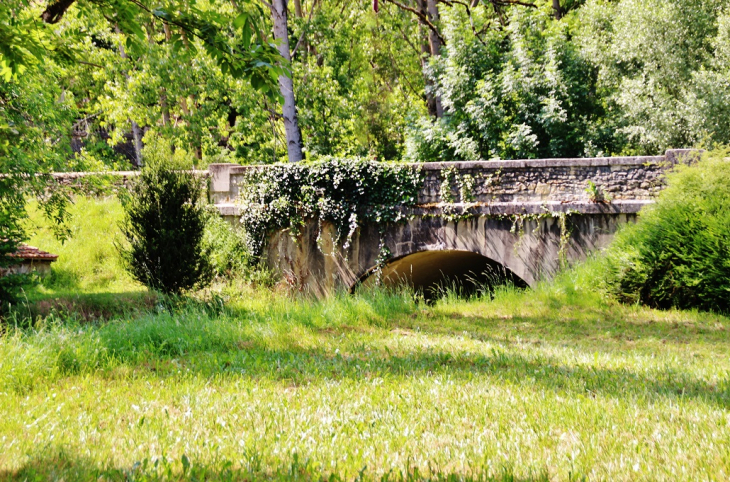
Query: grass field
point(551, 384)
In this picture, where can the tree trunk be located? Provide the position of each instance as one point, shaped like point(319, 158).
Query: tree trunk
point(54, 12)
point(558, 10)
point(163, 94)
point(286, 84)
point(137, 137)
point(136, 131)
point(430, 47)
point(433, 39)
point(164, 108)
point(298, 8)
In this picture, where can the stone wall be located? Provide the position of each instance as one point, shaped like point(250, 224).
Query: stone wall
point(554, 181)
point(95, 182)
point(101, 182)
point(636, 178)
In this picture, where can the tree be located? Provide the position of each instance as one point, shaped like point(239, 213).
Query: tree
point(518, 90)
point(33, 143)
point(280, 19)
point(662, 70)
point(35, 113)
point(357, 77)
point(427, 13)
point(164, 227)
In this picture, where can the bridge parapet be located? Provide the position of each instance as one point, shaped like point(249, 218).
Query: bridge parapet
point(544, 180)
point(626, 181)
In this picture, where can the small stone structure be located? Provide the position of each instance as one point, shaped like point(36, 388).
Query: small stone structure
point(528, 217)
point(31, 260)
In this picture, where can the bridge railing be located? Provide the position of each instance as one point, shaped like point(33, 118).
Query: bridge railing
point(625, 182)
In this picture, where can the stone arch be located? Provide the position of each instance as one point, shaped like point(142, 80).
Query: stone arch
point(494, 238)
point(429, 271)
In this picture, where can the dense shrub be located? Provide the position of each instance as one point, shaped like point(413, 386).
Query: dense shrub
point(625, 77)
point(678, 253)
point(164, 225)
point(524, 91)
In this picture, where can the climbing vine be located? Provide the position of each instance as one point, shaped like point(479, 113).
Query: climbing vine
point(518, 227)
point(464, 186)
point(344, 192)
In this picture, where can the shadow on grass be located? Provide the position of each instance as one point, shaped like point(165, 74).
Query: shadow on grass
point(63, 466)
point(302, 366)
point(84, 308)
point(167, 353)
point(228, 343)
point(221, 347)
point(617, 323)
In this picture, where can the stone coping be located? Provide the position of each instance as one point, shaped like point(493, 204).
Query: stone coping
point(496, 165)
point(542, 163)
point(75, 175)
point(500, 208)
point(222, 172)
point(671, 156)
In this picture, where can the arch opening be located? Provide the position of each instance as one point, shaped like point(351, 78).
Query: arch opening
point(433, 273)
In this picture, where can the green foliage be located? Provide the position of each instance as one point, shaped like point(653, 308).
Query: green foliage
point(226, 245)
point(25, 41)
point(356, 80)
point(39, 78)
point(610, 77)
point(163, 226)
point(595, 193)
point(344, 192)
point(676, 255)
point(232, 39)
point(524, 91)
point(33, 141)
point(624, 77)
point(301, 384)
point(661, 69)
point(12, 236)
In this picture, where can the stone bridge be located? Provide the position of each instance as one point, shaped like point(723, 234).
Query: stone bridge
point(521, 220)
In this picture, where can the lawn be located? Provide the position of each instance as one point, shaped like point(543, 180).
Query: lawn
point(551, 384)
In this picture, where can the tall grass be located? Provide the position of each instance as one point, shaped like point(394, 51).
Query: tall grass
point(57, 346)
point(88, 261)
point(525, 386)
point(556, 383)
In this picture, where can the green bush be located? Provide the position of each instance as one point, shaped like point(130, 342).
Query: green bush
point(229, 256)
point(164, 225)
point(678, 254)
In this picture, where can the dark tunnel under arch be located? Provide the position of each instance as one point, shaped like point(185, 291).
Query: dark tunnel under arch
point(432, 272)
